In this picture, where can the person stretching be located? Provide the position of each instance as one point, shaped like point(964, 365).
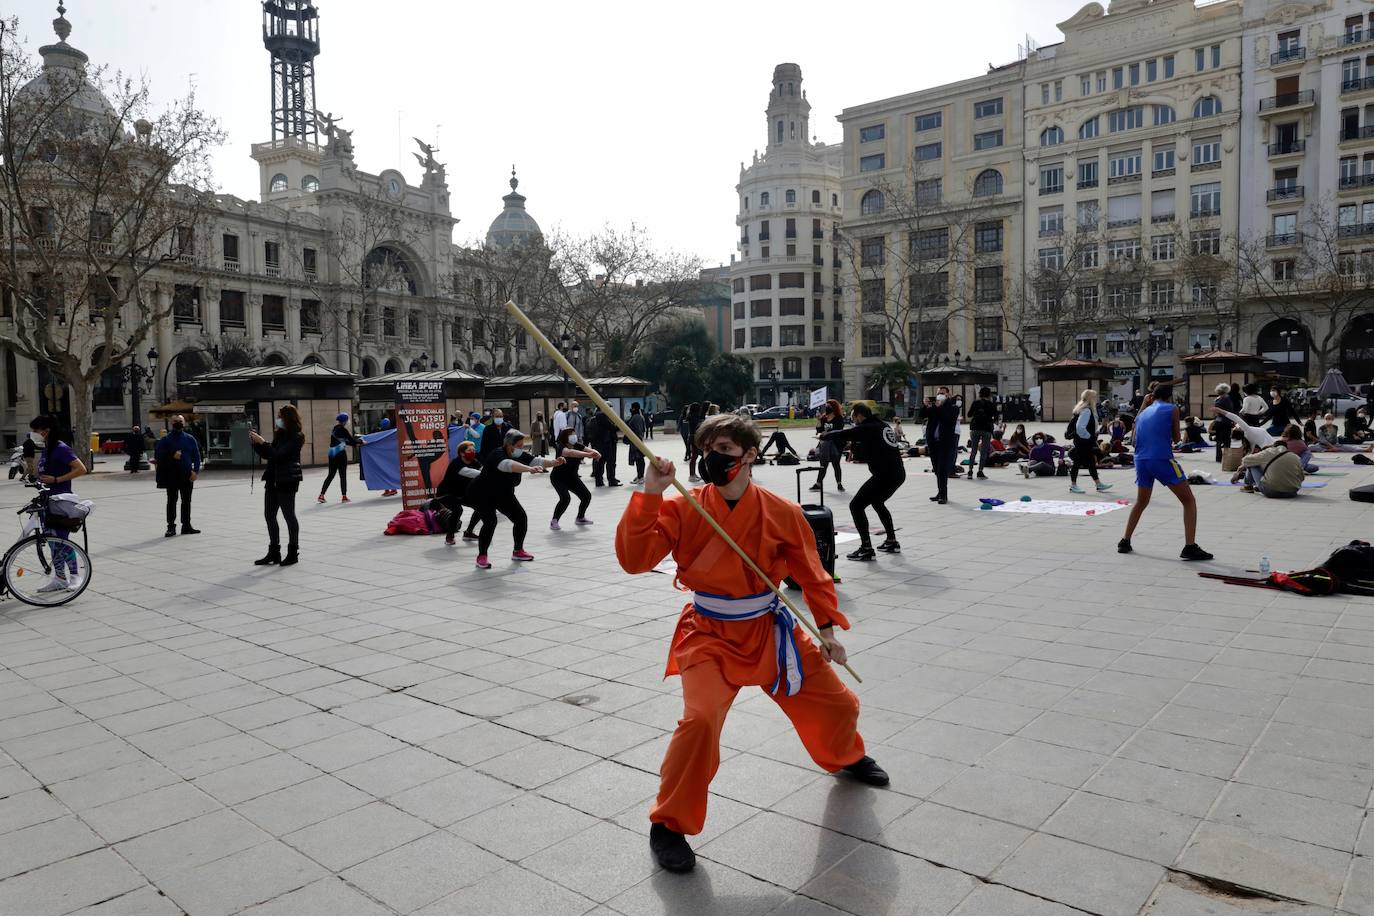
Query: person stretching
point(1156, 431)
point(1084, 451)
point(339, 441)
point(452, 490)
point(878, 444)
point(494, 491)
point(565, 480)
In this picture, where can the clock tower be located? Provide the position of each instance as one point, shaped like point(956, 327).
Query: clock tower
point(289, 164)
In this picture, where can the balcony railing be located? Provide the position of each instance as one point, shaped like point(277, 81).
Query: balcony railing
point(1358, 84)
point(1288, 100)
point(1287, 192)
point(1205, 166)
point(1087, 183)
point(102, 248)
point(1123, 179)
point(1349, 182)
point(1202, 212)
point(1353, 37)
point(1162, 173)
point(1123, 223)
point(273, 270)
point(1284, 240)
point(1284, 55)
point(1051, 189)
point(1287, 148)
point(1357, 133)
point(1353, 230)
point(231, 265)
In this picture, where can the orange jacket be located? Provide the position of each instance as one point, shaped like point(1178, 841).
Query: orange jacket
point(772, 530)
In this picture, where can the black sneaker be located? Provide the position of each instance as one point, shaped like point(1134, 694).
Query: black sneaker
point(470, 536)
point(868, 771)
point(171, 532)
point(187, 529)
point(1124, 546)
point(671, 849)
point(890, 546)
point(982, 476)
point(1194, 552)
point(863, 553)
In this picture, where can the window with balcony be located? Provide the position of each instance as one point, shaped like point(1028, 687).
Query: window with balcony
point(761, 336)
point(987, 334)
point(1052, 258)
point(1162, 248)
point(872, 162)
point(987, 108)
point(990, 139)
point(1161, 292)
point(871, 204)
point(232, 313)
point(309, 262)
point(1088, 129)
point(1124, 166)
point(873, 295)
point(874, 342)
point(413, 325)
point(186, 304)
point(1051, 221)
point(1052, 179)
point(1290, 47)
point(987, 237)
point(1206, 153)
point(1285, 227)
point(987, 284)
point(310, 316)
point(1052, 136)
point(1206, 199)
point(230, 249)
point(1087, 174)
point(1163, 160)
point(927, 152)
point(1123, 296)
point(988, 183)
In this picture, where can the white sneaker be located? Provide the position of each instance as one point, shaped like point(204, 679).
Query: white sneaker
point(1103, 487)
point(55, 584)
point(1075, 488)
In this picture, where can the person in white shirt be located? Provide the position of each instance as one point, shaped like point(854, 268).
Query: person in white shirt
point(560, 419)
point(1254, 435)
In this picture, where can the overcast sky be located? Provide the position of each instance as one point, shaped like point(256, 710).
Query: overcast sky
point(613, 111)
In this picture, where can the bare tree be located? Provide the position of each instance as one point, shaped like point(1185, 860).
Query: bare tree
point(96, 193)
point(1312, 275)
point(486, 277)
point(1061, 294)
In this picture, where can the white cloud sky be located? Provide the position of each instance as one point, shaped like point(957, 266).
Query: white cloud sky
point(613, 111)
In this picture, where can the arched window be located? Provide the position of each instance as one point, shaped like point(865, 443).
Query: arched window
point(871, 203)
point(834, 200)
point(458, 364)
point(1052, 136)
point(987, 183)
point(1088, 129)
point(393, 365)
point(1164, 114)
point(791, 367)
point(763, 199)
point(279, 183)
point(109, 388)
point(274, 359)
point(310, 184)
point(1207, 106)
point(816, 198)
point(791, 196)
point(312, 360)
point(369, 367)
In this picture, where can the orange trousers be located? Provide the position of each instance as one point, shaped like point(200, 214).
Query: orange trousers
point(825, 714)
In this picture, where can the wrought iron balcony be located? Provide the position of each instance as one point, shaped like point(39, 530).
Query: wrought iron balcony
point(1287, 148)
point(1288, 100)
point(1284, 240)
point(1358, 84)
point(1350, 182)
point(1288, 54)
point(1287, 192)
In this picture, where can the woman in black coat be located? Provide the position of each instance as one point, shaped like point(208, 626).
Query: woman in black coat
point(281, 479)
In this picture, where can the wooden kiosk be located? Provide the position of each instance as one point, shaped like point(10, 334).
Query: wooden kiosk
point(1209, 368)
point(964, 380)
point(1062, 381)
point(230, 401)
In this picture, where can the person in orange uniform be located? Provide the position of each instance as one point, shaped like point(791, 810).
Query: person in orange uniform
point(735, 632)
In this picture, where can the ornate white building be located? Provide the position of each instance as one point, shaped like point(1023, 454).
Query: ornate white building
point(785, 306)
point(329, 265)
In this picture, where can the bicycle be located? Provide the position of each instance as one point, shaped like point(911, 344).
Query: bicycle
point(42, 568)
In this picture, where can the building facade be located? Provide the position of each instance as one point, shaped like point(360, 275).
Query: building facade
point(330, 265)
point(933, 197)
point(1133, 157)
point(786, 313)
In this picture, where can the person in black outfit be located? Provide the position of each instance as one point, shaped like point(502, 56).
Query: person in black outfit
point(133, 447)
point(878, 442)
point(494, 432)
point(641, 427)
point(494, 491)
point(601, 435)
point(830, 418)
point(281, 479)
point(339, 441)
point(982, 420)
point(565, 480)
point(694, 416)
point(1222, 426)
point(941, 415)
point(452, 490)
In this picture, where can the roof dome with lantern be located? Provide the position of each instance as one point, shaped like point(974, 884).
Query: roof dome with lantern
point(514, 225)
point(64, 78)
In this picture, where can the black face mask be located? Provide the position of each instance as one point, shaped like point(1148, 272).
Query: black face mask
point(720, 468)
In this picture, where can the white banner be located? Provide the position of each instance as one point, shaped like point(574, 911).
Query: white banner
point(818, 397)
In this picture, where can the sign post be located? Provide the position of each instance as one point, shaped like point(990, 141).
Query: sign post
point(421, 439)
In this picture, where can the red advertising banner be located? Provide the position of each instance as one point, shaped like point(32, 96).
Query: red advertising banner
point(421, 439)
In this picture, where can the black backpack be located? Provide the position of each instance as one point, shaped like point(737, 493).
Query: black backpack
point(1353, 563)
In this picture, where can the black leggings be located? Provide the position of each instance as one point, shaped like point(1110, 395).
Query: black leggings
point(337, 465)
point(566, 487)
point(455, 513)
point(284, 501)
point(510, 507)
point(1084, 455)
point(875, 492)
point(829, 458)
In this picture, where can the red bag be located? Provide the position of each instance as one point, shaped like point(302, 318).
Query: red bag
point(411, 521)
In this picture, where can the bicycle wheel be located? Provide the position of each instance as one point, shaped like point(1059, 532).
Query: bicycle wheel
point(45, 570)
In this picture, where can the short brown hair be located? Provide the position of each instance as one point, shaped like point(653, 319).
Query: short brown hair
point(741, 430)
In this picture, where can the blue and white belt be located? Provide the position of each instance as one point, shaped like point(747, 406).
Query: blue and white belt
point(723, 607)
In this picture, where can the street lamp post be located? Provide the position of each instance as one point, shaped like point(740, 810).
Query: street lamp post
point(575, 355)
point(213, 350)
point(1149, 346)
point(1288, 334)
point(773, 383)
point(136, 377)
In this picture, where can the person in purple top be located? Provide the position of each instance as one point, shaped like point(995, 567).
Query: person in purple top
point(1156, 431)
point(58, 466)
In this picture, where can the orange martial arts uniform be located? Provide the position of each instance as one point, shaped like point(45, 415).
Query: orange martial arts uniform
point(717, 657)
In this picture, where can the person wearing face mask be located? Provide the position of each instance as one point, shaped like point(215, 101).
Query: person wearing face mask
point(494, 433)
point(474, 431)
point(1281, 412)
point(565, 480)
point(453, 488)
point(494, 491)
point(942, 441)
point(735, 633)
point(887, 472)
point(1043, 457)
point(339, 440)
point(178, 466)
point(58, 466)
point(281, 478)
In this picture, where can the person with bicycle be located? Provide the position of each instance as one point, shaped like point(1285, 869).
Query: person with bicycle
point(58, 466)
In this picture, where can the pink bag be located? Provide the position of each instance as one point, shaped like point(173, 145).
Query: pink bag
point(413, 521)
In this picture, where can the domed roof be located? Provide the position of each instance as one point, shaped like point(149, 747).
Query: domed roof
point(513, 225)
point(64, 77)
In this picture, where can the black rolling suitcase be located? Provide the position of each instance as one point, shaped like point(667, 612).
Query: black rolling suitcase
point(822, 522)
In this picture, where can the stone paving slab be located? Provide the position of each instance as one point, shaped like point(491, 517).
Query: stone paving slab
point(385, 729)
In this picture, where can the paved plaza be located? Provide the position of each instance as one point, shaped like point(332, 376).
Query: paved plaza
point(385, 729)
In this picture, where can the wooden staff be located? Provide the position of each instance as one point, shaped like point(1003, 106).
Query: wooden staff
point(547, 346)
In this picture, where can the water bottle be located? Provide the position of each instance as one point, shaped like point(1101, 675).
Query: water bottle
point(1265, 565)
